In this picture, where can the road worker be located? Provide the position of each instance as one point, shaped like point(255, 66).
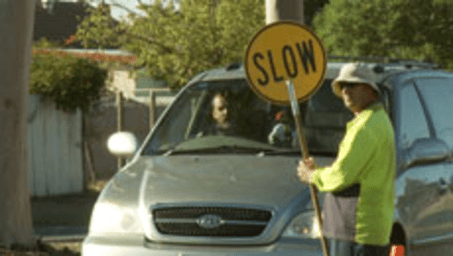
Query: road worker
point(359, 185)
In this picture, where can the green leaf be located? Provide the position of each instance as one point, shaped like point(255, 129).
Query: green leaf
point(68, 81)
point(416, 29)
point(176, 45)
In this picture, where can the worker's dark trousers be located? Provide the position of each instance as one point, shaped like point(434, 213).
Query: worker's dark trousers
point(349, 248)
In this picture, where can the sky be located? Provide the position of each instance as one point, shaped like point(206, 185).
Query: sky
point(119, 13)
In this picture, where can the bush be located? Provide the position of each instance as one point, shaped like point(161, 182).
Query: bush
point(68, 81)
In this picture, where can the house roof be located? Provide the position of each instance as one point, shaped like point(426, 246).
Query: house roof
point(109, 55)
point(60, 23)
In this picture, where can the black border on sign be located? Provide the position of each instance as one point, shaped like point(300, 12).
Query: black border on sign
point(249, 80)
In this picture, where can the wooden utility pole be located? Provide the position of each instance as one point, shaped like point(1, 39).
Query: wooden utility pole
point(16, 29)
point(152, 109)
point(293, 10)
point(120, 121)
point(279, 10)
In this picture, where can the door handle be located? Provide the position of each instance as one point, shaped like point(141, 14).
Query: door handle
point(443, 185)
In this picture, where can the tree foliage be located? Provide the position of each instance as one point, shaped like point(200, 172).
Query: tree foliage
point(174, 45)
point(405, 29)
point(69, 81)
point(311, 9)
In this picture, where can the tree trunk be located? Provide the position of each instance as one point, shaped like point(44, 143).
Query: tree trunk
point(280, 10)
point(16, 27)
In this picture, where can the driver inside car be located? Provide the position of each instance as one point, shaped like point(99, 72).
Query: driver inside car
point(220, 120)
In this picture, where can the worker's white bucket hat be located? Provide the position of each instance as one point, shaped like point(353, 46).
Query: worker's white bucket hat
point(355, 73)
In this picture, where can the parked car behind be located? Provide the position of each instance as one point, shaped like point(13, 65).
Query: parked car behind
point(188, 191)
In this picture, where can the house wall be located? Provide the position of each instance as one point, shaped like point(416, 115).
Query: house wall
point(123, 81)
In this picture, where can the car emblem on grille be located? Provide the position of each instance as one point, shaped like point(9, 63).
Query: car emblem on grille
point(209, 221)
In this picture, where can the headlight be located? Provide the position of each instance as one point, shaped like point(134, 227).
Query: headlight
point(304, 225)
point(111, 218)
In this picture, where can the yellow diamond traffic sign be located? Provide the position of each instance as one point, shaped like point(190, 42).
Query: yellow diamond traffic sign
point(285, 51)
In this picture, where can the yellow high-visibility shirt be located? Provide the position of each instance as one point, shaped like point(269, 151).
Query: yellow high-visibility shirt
point(366, 158)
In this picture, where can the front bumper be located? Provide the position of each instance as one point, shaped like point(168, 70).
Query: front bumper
point(137, 246)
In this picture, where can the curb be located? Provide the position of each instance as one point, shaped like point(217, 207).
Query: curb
point(60, 233)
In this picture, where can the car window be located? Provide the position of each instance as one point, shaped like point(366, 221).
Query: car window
point(195, 115)
point(227, 114)
point(413, 121)
point(175, 125)
point(437, 94)
point(325, 101)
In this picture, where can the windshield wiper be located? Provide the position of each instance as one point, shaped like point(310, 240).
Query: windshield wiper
point(221, 150)
point(284, 152)
point(298, 152)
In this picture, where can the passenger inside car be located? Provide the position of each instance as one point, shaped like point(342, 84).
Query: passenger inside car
point(282, 133)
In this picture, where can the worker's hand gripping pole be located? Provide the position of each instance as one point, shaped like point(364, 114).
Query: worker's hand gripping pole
point(305, 155)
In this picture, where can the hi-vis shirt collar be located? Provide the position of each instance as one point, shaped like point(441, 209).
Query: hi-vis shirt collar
point(373, 108)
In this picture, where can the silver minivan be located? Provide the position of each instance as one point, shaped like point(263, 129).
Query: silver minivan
point(187, 191)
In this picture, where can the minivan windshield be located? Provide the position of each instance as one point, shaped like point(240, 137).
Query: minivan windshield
point(226, 116)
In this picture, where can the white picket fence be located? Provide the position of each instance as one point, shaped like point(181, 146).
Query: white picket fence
point(55, 161)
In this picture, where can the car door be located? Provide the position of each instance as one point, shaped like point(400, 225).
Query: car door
point(424, 142)
point(437, 94)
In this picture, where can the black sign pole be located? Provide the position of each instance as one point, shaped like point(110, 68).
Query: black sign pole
point(306, 155)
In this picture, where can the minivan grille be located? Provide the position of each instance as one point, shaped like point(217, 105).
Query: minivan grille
point(211, 221)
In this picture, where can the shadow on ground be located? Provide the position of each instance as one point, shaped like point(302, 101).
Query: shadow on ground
point(66, 210)
point(60, 223)
point(47, 249)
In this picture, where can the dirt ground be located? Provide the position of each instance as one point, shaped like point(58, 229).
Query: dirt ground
point(67, 212)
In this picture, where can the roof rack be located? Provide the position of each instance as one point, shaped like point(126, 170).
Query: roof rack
point(416, 63)
point(360, 58)
point(232, 66)
point(387, 60)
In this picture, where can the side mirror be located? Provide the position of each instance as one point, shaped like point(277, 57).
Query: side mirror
point(426, 150)
point(122, 144)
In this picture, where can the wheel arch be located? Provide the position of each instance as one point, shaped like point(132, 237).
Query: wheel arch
point(398, 235)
